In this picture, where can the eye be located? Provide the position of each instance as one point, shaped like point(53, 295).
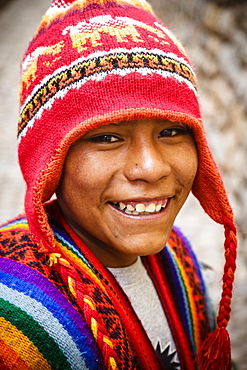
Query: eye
point(168, 132)
point(106, 138)
point(173, 131)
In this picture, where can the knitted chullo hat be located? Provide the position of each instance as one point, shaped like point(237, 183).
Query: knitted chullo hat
point(93, 62)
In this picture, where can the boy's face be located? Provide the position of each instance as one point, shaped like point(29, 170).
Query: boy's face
point(123, 185)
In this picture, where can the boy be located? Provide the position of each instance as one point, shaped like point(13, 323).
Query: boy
point(99, 278)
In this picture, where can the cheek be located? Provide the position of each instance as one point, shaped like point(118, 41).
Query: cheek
point(81, 168)
point(187, 164)
point(86, 176)
point(78, 192)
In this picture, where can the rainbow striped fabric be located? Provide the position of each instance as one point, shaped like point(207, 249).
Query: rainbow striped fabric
point(41, 328)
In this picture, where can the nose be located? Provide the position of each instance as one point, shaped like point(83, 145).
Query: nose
point(146, 161)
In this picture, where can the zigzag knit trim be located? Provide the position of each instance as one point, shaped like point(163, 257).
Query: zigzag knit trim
point(96, 67)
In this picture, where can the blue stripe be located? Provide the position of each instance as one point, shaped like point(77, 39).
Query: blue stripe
point(13, 223)
point(185, 312)
point(39, 295)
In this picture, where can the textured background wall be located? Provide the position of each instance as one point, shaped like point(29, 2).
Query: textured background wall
point(215, 34)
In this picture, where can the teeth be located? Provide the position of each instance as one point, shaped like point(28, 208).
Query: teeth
point(150, 208)
point(122, 206)
point(158, 208)
point(140, 208)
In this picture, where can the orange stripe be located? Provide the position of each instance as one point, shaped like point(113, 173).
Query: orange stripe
point(23, 347)
point(11, 359)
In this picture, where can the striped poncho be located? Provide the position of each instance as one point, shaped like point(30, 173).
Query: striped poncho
point(69, 312)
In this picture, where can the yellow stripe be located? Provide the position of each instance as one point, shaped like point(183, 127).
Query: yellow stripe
point(108, 341)
point(23, 346)
point(94, 327)
point(112, 363)
point(21, 225)
point(71, 287)
point(89, 302)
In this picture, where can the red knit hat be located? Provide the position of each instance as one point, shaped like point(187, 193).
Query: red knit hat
point(93, 62)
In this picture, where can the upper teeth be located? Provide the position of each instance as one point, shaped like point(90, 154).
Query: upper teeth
point(140, 208)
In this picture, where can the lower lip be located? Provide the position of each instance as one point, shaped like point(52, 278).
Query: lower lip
point(150, 216)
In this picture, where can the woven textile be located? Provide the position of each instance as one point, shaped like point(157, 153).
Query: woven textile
point(42, 322)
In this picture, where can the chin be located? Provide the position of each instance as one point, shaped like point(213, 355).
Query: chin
point(143, 249)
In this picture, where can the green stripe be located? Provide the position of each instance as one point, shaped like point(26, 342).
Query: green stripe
point(36, 333)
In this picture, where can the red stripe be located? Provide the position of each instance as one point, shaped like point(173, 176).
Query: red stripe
point(166, 298)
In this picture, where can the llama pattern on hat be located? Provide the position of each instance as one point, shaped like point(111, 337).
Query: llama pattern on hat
point(30, 63)
point(122, 28)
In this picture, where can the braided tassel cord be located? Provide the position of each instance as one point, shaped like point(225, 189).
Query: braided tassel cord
point(215, 352)
point(86, 304)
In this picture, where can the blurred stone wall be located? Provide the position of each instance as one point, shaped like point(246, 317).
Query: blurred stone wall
point(215, 35)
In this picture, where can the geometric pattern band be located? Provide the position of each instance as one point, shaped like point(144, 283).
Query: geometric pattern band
point(94, 67)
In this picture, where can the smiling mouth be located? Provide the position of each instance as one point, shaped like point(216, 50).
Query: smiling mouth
point(141, 208)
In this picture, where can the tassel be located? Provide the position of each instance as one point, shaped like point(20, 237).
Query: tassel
point(215, 352)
